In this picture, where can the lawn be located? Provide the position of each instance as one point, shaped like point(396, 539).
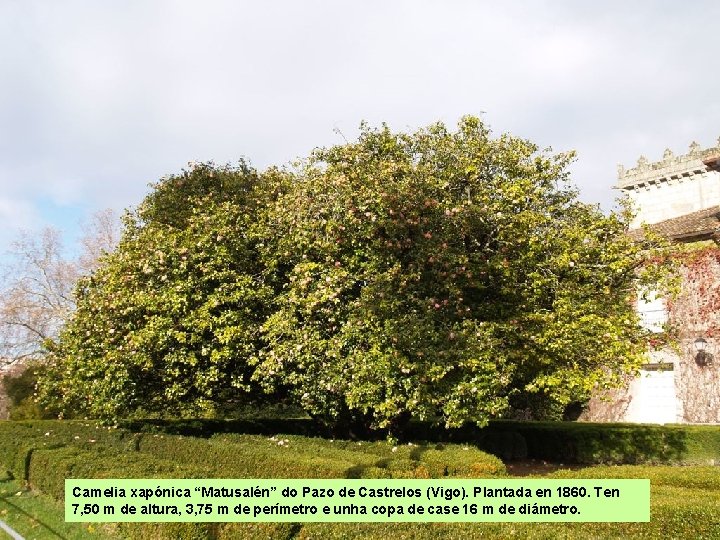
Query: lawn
point(37, 516)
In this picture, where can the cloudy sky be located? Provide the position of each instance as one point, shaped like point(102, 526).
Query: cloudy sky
point(97, 99)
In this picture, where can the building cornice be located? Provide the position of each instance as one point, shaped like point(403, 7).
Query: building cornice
point(670, 168)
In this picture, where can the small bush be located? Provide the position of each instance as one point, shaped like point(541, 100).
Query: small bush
point(248, 456)
point(20, 391)
point(288, 456)
point(683, 502)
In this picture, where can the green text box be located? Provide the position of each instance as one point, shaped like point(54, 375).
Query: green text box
point(372, 500)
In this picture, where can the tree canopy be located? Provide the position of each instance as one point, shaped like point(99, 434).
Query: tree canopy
point(167, 322)
point(443, 275)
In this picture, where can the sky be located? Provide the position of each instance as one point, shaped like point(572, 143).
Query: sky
point(98, 99)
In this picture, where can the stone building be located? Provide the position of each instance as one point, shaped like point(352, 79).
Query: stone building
point(678, 197)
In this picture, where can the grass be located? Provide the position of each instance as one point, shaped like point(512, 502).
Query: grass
point(38, 517)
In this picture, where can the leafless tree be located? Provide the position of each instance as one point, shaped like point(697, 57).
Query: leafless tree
point(38, 281)
point(100, 236)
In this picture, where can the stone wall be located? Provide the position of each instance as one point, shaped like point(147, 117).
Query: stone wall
point(675, 198)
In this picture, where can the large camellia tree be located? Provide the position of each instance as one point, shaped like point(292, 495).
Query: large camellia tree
point(444, 275)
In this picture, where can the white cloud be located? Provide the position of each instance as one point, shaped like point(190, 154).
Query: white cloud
point(101, 98)
point(16, 215)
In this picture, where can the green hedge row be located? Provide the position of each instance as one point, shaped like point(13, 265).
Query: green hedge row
point(18, 440)
point(252, 456)
point(589, 443)
point(207, 427)
point(684, 504)
point(49, 468)
point(559, 442)
point(291, 456)
point(228, 455)
point(245, 455)
point(44, 453)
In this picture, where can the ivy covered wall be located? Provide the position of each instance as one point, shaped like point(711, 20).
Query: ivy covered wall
point(694, 312)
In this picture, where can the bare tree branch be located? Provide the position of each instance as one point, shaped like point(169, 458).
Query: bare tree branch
point(38, 283)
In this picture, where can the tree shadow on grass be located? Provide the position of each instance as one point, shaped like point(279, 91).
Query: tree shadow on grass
point(5, 499)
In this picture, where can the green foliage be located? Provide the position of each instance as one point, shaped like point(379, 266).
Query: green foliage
point(28, 409)
point(167, 323)
point(683, 504)
point(434, 275)
point(174, 198)
point(21, 386)
point(56, 449)
point(49, 468)
point(438, 275)
point(291, 456)
point(20, 391)
point(684, 501)
point(47, 453)
point(18, 440)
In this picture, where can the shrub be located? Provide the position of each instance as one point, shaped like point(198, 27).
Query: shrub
point(20, 390)
point(247, 456)
point(585, 442)
point(683, 502)
point(302, 457)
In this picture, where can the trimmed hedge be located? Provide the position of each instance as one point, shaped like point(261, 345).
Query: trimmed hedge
point(50, 467)
point(252, 456)
point(586, 442)
point(684, 504)
point(207, 427)
point(591, 443)
point(33, 450)
point(44, 454)
point(559, 442)
point(18, 440)
point(249, 456)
